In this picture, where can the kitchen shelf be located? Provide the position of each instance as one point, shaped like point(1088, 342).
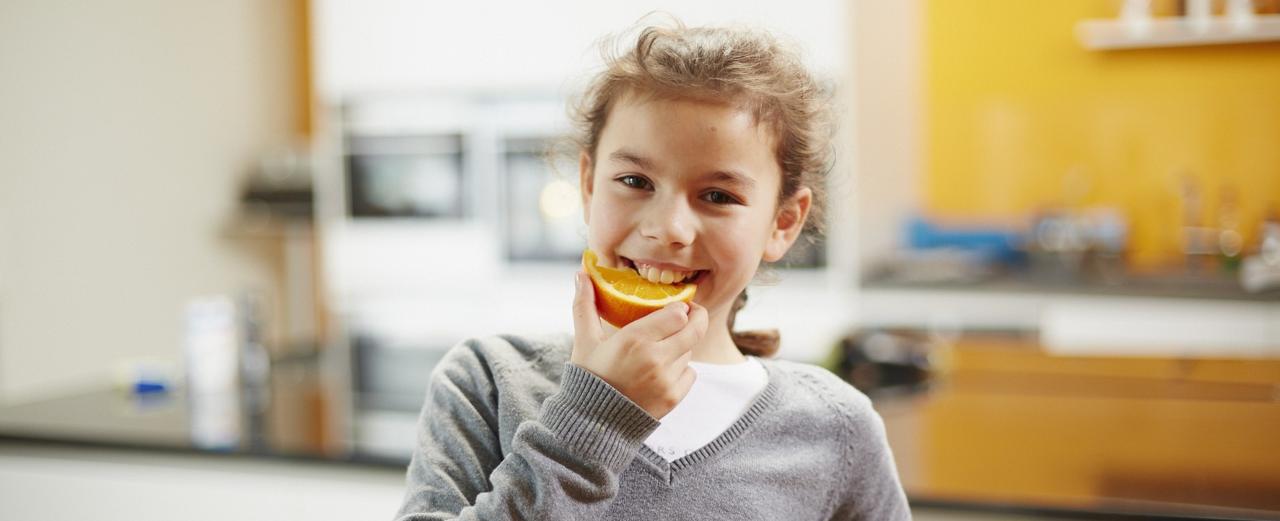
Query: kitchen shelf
point(1176, 32)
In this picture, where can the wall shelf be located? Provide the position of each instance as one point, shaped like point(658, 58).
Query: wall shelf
point(1176, 32)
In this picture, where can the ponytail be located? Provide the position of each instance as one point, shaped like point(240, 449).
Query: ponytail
point(761, 343)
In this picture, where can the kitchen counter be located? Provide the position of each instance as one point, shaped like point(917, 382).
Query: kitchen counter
point(1210, 286)
point(1170, 316)
point(301, 419)
point(1007, 427)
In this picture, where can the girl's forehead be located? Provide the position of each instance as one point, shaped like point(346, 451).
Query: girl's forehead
point(692, 142)
point(739, 105)
point(687, 122)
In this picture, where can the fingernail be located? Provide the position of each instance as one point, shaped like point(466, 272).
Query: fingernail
point(577, 280)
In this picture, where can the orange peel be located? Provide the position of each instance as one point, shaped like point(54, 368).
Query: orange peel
point(623, 296)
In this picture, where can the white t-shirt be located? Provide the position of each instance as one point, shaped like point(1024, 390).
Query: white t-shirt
point(719, 396)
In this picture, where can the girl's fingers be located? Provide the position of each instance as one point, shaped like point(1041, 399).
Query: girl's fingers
point(586, 320)
point(660, 324)
point(682, 342)
point(681, 362)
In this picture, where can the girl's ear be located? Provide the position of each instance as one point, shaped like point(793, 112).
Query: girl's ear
point(584, 182)
point(787, 224)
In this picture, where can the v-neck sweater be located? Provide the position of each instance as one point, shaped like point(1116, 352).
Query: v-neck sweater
point(512, 430)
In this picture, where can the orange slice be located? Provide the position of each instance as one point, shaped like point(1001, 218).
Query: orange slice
point(622, 296)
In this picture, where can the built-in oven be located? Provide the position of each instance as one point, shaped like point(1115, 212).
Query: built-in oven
point(542, 203)
point(435, 205)
point(415, 175)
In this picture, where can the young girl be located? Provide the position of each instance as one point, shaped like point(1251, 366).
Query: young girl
point(700, 153)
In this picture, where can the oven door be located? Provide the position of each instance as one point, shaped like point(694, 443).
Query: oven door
point(417, 176)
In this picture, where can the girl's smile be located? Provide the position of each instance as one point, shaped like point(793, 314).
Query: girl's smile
point(682, 189)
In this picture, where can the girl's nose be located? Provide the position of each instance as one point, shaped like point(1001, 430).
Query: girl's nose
point(669, 222)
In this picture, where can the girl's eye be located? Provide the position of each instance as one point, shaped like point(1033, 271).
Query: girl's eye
point(635, 181)
point(719, 198)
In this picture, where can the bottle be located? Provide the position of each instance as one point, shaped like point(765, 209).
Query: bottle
point(1230, 241)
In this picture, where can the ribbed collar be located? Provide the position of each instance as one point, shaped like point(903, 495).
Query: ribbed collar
point(762, 403)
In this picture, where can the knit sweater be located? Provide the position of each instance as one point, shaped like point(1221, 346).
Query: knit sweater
point(512, 430)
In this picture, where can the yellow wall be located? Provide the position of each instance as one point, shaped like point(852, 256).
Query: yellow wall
point(1014, 104)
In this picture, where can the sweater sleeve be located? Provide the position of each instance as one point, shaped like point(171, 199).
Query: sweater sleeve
point(873, 491)
point(564, 464)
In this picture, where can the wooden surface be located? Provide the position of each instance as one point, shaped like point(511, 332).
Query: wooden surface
point(1011, 424)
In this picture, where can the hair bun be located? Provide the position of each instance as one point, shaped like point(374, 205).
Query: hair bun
point(763, 343)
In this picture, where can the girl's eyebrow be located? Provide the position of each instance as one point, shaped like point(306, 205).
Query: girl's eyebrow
point(733, 178)
point(628, 156)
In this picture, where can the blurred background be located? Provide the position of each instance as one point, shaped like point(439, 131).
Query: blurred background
point(236, 236)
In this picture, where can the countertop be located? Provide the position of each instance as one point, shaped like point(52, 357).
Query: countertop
point(305, 415)
point(1005, 427)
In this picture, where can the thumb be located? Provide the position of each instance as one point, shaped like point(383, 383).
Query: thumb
point(586, 320)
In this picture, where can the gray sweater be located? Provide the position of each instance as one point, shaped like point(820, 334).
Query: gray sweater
point(512, 430)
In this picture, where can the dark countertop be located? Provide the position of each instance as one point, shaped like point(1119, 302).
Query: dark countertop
point(305, 417)
point(312, 417)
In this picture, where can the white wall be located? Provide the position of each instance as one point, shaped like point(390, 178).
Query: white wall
point(125, 127)
point(380, 46)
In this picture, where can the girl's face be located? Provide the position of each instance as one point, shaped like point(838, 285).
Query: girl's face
point(688, 186)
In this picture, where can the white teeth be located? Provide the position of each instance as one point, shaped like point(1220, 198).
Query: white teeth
point(653, 274)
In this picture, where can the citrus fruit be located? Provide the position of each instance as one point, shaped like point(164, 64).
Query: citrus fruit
point(622, 296)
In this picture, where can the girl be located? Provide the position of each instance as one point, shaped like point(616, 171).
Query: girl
point(700, 153)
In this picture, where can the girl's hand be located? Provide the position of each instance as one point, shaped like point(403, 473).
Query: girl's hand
point(647, 360)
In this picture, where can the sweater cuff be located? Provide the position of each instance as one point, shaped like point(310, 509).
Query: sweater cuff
point(596, 421)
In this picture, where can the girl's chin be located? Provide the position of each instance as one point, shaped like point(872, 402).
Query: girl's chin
point(711, 304)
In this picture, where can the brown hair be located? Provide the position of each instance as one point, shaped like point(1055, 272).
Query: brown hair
point(747, 67)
